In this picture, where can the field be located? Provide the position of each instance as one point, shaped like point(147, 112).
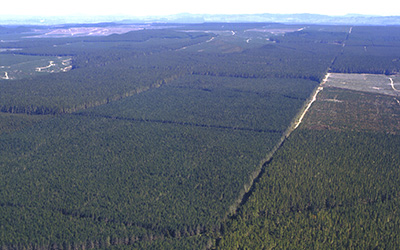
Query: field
point(160, 137)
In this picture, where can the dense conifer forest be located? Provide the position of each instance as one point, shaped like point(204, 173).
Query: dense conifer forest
point(153, 139)
point(328, 190)
point(334, 182)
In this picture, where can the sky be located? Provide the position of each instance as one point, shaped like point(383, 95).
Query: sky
point(168, 7)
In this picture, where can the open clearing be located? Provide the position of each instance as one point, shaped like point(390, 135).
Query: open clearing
point(381, 84)
point(85, 31)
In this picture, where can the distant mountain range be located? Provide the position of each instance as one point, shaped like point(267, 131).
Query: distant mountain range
point(353, 19)
point(286, 18)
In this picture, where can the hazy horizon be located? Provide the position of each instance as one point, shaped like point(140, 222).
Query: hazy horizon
point(75, 8)
point(310, 18)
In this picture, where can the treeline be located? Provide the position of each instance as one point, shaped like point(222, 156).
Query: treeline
point(331, 190)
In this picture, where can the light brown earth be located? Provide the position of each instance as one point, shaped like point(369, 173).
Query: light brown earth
point(349, 105)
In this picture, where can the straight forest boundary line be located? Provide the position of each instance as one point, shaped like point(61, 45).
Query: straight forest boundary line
point(255, 177)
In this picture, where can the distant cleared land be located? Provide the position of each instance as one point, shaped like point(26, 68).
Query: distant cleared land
point(85, 31)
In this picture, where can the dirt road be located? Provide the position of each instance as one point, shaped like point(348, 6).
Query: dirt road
point(314, 97)
point(392, 84)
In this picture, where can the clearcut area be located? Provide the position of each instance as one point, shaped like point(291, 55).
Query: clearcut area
point(381, 84)
point(357, 102)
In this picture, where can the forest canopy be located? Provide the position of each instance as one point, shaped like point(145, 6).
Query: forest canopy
point(153, 139)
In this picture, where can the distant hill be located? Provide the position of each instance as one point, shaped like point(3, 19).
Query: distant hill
point(352, 19)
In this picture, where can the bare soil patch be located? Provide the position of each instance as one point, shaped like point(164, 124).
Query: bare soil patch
point(344, 109)
point(380, 84)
